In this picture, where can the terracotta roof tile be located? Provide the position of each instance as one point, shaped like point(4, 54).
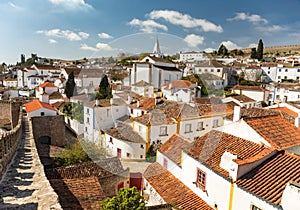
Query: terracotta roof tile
point(243, 98)
point(286, 110)
point(279, 132)
point(164, 183)
point(79, 193)
point(142, 83)
point(55, 95)
point(173, 146)
point(145, 103)
point(125, 133)
point(178, 84)
point(37, 104)
point(209, 149)
point(268, 180)
point(47, 84)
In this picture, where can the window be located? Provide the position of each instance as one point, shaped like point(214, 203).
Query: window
point(42, 113)
point(253, 207)
point(188, 128)
point(88, 120)
point(298, 70)
point(142, 146)
point(87, 111)
point(86, 129)
point(141, 156)
point(215, 123)
point(110, 140)
point(268, 72)
point(211, 70)
point(163, 131)
point(285, 77)
point(131, 111)
point(279, 70)
point(165, 164)
point(218, 70)
point(201, 179)
point(200, 126)
point(286, 70)
point(279, 77)
point(127, 154)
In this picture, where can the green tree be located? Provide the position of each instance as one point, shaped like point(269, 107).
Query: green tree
point(253, 53)
point(222, 50)
point(260, 50)
point(70, 88)
point(104, 91)
point(22, 58)
point(127, 199)
point(78, 112)
point(240, 52)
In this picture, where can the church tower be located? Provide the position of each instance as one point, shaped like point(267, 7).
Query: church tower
point(156, 50)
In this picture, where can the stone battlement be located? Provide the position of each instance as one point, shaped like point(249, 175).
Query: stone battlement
point(9, 141)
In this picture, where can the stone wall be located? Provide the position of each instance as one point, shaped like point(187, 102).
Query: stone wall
point(51, 126)
point(9, 141)
point(277, 49)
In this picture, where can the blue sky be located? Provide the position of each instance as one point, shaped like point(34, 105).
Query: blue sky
point(74, 29)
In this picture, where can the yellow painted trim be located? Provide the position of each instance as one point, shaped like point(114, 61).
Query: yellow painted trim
point(147, 133)
point(231, 195)
point(178, 126)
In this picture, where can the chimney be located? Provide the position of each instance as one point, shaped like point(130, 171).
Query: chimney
point(236, 113)
point(111, 101)
point(97, 102)
point(297, 120)
point(137, 103)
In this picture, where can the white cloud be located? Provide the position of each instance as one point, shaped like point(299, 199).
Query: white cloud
point(230, 45)
point(99, 47)
point(67, 34)
point(209, 50)
point(253, 18)
point(105, 36)
point(86, 47)
point(71, 4)
point(185, 20)
point(193, 40)
point(15, 6)
point(273, 28)
point(252, 45)
point(147, 25)
point(104, 46)
point(52, 41)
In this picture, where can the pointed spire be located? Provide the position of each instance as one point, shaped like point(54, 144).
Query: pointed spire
point(156, 49)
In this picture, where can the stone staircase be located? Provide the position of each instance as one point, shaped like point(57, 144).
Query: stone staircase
point(24, 184)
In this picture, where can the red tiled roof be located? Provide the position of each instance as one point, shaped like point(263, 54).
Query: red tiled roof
point(173, 146)
point(279, 132)
point(47, 84)
point(243, 98)
point(172, 190)
point(144, 103)
point(178, 84)
point(286, 110)
point(37, 104)
point(79, 193)
point(209, 149)
point(268, 180)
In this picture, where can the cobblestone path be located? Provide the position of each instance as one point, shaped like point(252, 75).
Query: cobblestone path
point(24, 185)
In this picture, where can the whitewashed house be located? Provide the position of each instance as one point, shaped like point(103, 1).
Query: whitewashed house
point(141, 106)
point(44, 90)
point(102, 115)
point(192, 56)
point(123, 142)
point(284, 92)
point(39, 108)
point(180, 90)
point(255, 92)
point(143, 88)
point(10, 82)
point(242, 101)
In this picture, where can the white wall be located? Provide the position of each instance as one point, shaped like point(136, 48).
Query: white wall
point(217, 187)
point(155, 132)
point(135, 150)
point(171, 166)
point(47, 112)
